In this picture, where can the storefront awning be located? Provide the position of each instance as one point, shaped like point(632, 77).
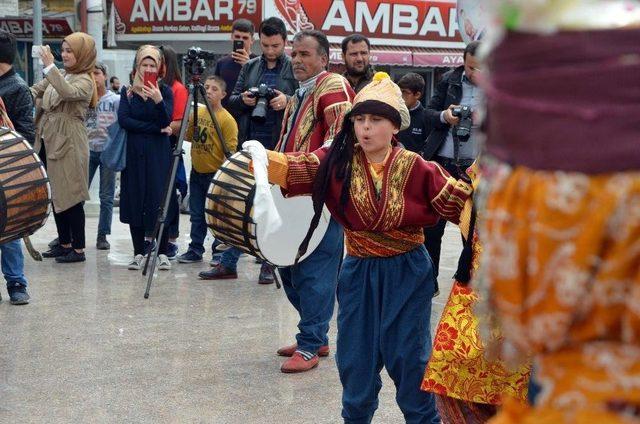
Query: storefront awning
point(437, 57)
point(382, 55)
point(403, 56)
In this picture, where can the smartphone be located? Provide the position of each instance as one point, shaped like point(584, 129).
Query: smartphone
point(238, 45)
point(150, 78)
point(36, 51)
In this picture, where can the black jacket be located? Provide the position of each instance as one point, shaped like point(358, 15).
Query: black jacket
point(414, 137)
point(448, 92)
point(250, 76)
point(17, 98)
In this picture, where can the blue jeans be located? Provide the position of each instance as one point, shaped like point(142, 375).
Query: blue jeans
point(198, 188)
point(229, 258)
point(107, 191)
point(311, 288)
point(384, 313)
point(13, 262)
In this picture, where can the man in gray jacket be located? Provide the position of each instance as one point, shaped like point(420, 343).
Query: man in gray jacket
point(272, 68)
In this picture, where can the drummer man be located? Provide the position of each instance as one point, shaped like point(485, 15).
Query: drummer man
point(311, 285)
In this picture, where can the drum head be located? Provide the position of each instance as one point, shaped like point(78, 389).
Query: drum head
point(280, 245)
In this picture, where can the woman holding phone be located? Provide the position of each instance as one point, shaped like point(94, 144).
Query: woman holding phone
point(145, 113)
point(61, 138)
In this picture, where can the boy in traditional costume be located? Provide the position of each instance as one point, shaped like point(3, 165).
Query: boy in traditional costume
point(383, 196)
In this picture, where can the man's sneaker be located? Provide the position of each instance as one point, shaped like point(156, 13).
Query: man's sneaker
point(299, 362)
point(136, 263)
point(189, 257)
point(172, 251)
point(71, 257)
point(55, 242)
point(102, 243)
point(289, 350)
point(163, 263)
point(56, 251)
point(149, 245)
point(266, 275)
point(218, 272)
point(18, 294)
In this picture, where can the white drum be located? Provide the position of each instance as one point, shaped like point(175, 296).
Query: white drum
point(273, 236)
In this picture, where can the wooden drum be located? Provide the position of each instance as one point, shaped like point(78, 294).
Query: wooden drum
point(230, 216)
point(25, 194)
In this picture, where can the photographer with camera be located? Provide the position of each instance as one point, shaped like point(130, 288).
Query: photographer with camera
point(261, 95)
point(264, 87)
point(452, 142)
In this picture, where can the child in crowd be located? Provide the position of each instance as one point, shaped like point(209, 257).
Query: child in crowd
point(412, 88)
point(206, 157)
point(98, 120)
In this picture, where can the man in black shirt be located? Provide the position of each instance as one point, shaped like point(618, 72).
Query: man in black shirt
point(14, 91)
point(413, 138)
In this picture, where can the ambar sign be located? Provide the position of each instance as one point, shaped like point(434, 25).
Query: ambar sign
point(391, 22)
point(141, 19)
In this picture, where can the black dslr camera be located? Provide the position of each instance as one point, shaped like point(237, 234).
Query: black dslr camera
point(195, 60)
point(264, 94)
point(463, 130)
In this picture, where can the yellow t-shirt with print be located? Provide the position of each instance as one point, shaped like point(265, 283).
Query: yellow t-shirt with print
point(206, 152)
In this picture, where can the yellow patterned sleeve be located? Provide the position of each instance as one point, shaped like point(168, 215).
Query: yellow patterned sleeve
point(278, 168)
point(293, 172)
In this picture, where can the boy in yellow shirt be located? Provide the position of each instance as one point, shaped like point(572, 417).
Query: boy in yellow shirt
point(206, 157)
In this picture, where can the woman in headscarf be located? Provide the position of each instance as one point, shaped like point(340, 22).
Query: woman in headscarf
point(145, 113)
point(61, 138)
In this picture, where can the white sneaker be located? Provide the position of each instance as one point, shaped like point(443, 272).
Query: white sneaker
point(136, 263)
point(163, 263)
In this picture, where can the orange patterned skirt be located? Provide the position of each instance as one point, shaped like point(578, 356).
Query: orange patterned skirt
point(561, 272)
point(458, 367)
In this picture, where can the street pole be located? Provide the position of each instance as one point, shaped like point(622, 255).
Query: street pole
point(37, 38)
point(95, 20)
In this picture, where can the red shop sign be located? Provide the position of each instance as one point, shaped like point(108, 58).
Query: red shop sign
point(149, 20)
point(416, 23)
point(23, 28)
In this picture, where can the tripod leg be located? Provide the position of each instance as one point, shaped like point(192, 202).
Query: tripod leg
point(168, 194)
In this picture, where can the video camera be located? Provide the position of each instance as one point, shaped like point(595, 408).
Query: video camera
point(195, 60)
point(264, 94)
point(463, 130)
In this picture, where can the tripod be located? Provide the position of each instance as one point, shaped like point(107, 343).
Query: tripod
point(195, 89)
